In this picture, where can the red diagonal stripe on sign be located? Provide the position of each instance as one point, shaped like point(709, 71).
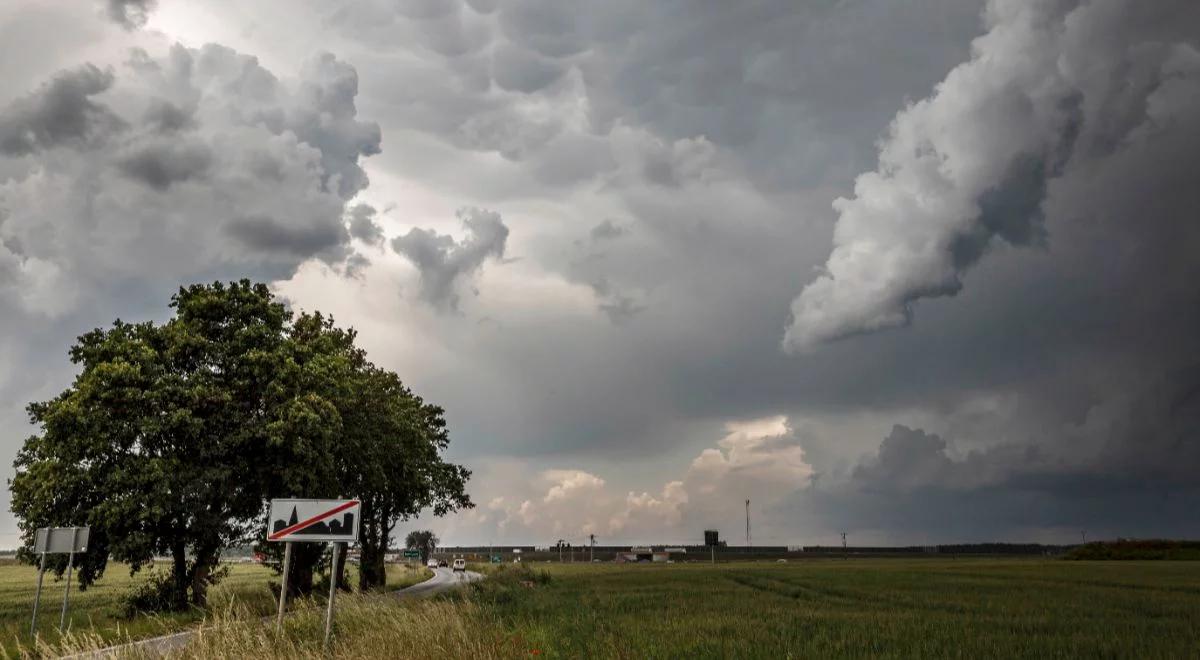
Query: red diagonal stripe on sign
point(317, 518)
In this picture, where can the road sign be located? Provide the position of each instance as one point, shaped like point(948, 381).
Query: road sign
point(412, 553)
point(57, 541)
point(314, 520)
point(61, 540)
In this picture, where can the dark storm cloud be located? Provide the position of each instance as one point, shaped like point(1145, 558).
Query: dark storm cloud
point(444, 262)
point(166, 117)
point(61, 112)
point(518, 69)
point(133, 189)
point(1127, 470)
point(131, 14)
point(363, 225)
point(267, 234)
point(159, 164)
point(607, 230)
point(1051, 88)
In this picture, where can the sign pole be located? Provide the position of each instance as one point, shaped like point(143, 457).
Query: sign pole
point(62, 620)
point(37, 598)
point(333, 580)
point(287, 565)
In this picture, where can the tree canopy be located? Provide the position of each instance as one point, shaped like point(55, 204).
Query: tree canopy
point(173, 436)
point(423, 540)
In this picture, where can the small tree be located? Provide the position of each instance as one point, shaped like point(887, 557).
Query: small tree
point(423, 540)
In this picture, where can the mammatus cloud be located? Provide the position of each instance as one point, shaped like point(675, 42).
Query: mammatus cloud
point(443, 262)
point(1051, 88)
point(60, 113)
point(192, 165)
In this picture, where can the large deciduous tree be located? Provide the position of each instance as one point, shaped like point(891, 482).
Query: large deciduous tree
point(173, 436)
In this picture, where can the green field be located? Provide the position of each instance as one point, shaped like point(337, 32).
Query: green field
point(97, 610)
point(881, 608)
point(868, 608)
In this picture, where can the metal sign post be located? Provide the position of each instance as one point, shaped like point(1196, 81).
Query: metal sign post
point(334, 570)
point(62, 618)
point(37, 598)
point(333, 521)
point(287, 566)
point(57, 540)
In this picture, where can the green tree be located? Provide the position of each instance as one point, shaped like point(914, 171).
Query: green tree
point(423, 540)
point(173, 436)
point(160, 443)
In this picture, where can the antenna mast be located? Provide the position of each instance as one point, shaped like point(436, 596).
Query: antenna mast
point(747, 523)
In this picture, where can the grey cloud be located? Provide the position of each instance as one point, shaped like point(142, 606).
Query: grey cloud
point(166, 117)
point(620, 309)
point(327, 119)
point(131, 14)
point(483, 6)
point(363, 225)
point(424, 9)
point(444, 262)
point(951, 181)
point(140, 195)
point(267, 234)
point(159, 163)
point(518, 69)
point(61, 112)
point(607, 230)
point(1126, 470)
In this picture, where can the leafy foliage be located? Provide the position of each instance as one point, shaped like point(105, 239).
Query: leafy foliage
point(423, 540)
point(173, 436)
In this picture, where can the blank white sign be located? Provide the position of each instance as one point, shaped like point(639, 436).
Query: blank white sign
point(56, 540)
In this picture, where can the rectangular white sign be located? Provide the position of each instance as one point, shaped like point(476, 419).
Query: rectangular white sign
point(314, 520)
point(61, 540)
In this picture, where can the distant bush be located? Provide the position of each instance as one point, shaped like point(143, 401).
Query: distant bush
point(157, 593)
point(506, 583)
point(1136, 549)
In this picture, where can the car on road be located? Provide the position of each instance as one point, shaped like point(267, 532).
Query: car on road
point(460, 564)
point(442, 563)
point(432, 563)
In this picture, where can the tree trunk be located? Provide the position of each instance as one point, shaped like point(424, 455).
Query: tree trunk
point(206, 559)
point(343, 582)
point(305, 558)
point(372, 572)
point(180, 575)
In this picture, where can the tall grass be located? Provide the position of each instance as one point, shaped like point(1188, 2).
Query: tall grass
point(934, 608)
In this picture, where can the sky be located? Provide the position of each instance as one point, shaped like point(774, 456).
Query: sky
point(921, 272)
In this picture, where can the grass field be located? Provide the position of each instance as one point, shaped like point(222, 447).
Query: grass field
point(869, 608)
point(97, 610)
point(894, 608)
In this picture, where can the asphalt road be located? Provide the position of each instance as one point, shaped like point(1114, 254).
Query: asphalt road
point(443, 579)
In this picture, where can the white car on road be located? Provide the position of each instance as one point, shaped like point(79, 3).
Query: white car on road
point(460, 564)
point(432, 563)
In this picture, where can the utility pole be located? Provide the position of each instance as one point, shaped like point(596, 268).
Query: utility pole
point(747, 523)
point(1083, 536)
point(591, 548)
point(845, 552)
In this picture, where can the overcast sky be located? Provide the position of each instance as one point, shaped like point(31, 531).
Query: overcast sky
point(922, 271)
